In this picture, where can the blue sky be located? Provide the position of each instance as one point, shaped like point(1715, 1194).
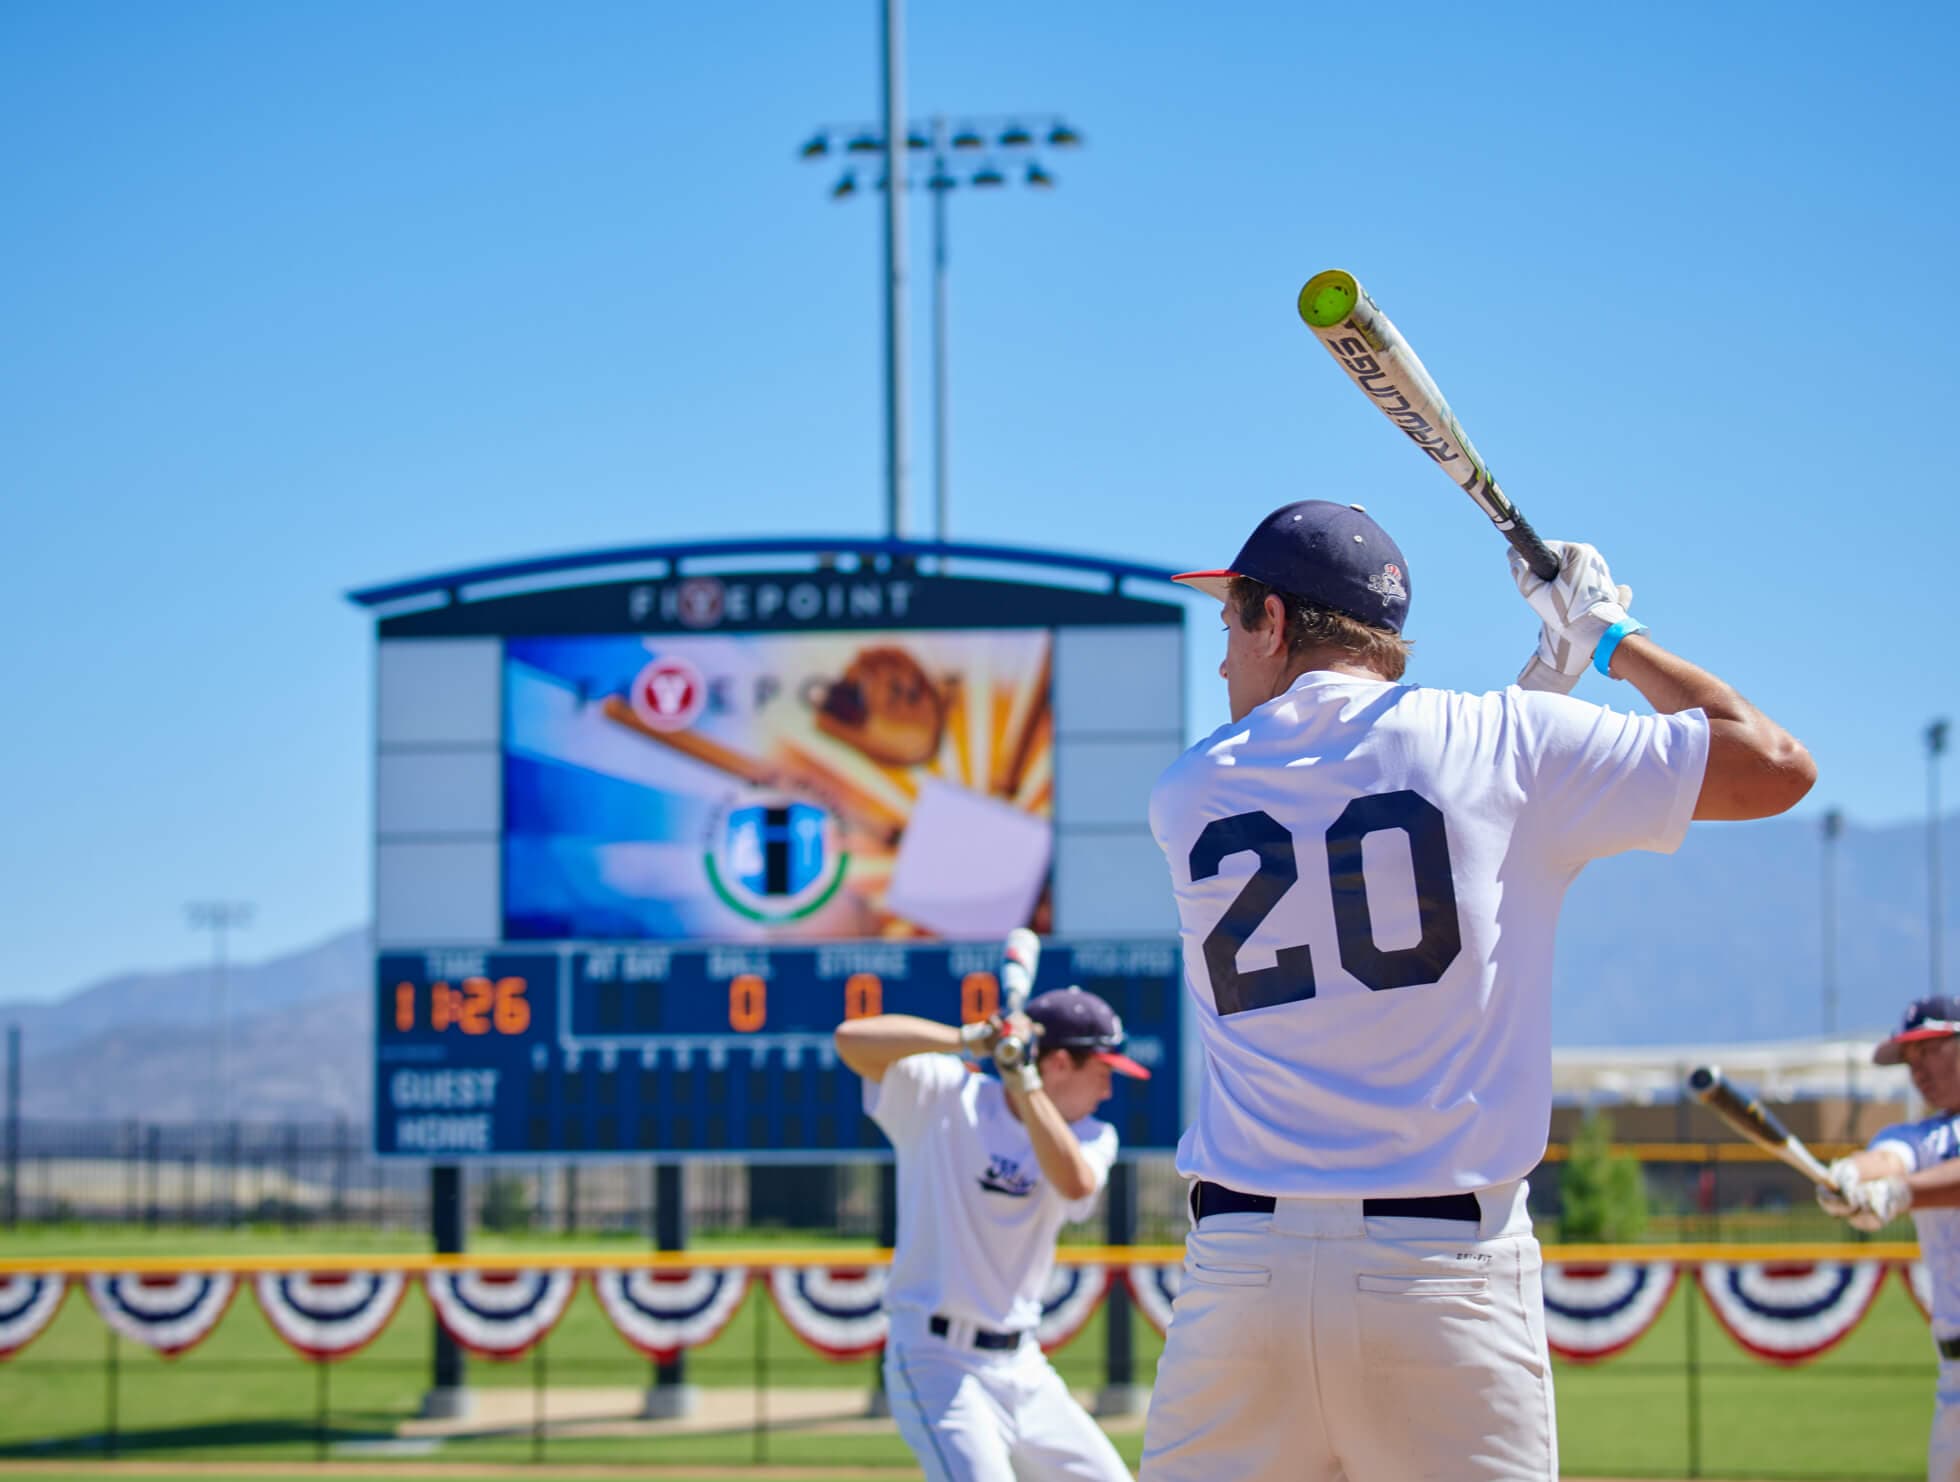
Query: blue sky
point(307, 296)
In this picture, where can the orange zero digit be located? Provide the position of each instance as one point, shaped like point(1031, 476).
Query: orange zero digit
point(748, 1003)
point(979, 997)
point(864, 995)
point(512, 1014)
point(404, 1007)
point(444, 1005)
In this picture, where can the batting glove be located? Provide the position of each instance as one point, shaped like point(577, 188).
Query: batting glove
point(1575, 609)
point(1879, 1201)
point(1837, 1199)
point(980, 1037)
point(1014, 1059)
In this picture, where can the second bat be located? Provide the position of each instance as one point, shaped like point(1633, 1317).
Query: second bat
point(1747, 1115)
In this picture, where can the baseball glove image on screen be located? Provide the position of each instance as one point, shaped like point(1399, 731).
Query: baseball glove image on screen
point(885, 706)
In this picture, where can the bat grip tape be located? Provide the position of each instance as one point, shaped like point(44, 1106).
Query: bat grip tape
point(1524, 540)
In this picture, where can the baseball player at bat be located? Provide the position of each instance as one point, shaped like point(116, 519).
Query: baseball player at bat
point(1915, 1166)
point(989, 1170)
point(1368, 875)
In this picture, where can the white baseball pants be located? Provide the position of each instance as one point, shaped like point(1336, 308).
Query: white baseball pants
point(1943, 1454)
point(982, 1416)
point(1312, 1344)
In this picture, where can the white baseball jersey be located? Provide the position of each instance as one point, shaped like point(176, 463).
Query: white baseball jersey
point(1926, 1144)
point(976, 1220)
point(1368, 876)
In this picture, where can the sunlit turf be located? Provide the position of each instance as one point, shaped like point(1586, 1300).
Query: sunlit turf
point(243, 1395)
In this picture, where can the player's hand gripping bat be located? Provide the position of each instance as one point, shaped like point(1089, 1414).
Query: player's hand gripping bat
point(1755, 1122)
point(1377, 359)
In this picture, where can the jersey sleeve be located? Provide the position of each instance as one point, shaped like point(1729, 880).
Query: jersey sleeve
point(1100, 1151)
point(1603, 781)
point(900, 1103)
point(1907, 1139)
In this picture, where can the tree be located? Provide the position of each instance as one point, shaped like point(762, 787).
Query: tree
point(506, 1203)
point(1602, 1193)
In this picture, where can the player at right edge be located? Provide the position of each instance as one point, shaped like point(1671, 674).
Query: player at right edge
point(1368, 875)
point(1915, 1166)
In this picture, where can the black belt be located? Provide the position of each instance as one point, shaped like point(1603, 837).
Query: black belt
point(1210, 1198)
point(1949, 1347)
point(939, 1327)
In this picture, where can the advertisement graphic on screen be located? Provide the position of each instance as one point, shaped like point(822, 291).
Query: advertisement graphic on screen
point(778, 786)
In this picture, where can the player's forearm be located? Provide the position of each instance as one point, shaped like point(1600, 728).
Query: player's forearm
point(1937, 1187)
point(870, 1046)
point(1671, 684)
point(1056, 1147)
point(1756, 769)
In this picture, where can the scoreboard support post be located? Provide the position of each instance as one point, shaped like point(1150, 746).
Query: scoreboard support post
point(449, 1396)
point(880, 1406)
point(671, 1396)
point(1119, 1394)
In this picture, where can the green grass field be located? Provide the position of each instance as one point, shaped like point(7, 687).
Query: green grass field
point(1862, 1412)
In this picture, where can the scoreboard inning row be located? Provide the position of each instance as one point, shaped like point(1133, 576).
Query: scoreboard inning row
point(605, 1049)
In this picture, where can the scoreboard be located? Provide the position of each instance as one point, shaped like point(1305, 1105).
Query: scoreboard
point(641, 843)
point(613, 1050)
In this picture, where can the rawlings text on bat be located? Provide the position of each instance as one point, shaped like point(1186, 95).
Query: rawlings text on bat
point(1378, 360)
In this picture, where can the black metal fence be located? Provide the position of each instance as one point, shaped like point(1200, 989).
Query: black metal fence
point(298, 1175)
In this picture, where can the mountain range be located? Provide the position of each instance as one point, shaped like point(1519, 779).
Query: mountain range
point(1719, 943)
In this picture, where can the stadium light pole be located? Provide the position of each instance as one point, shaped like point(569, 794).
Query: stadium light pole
point(1018, 138)
point(897, 455)
point(13, 1126)
point(1935, 749)
point(219, 918)
point(1833, 828)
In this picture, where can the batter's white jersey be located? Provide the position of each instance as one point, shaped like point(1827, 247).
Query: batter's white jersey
point(1926, 1144)
point(1368, 876)
point(976, 1220)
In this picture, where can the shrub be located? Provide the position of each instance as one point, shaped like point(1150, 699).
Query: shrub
point(506, 1203)
point(1602, 1194)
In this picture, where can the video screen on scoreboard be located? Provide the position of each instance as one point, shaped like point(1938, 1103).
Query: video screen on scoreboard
point(779, 786)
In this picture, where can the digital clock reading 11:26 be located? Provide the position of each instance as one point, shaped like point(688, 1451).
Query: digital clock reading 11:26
point(474, 1005)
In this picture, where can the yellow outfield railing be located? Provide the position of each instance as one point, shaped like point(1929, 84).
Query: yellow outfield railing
point(1691, 1253)
point(1704, 1152)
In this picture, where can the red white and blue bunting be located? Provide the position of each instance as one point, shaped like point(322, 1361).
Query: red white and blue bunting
point(1155, 1288)
point(328, 1315)
point(1782, 1312)
point(662, 1312)
point(1073, 1295)
point(1919, 1282)
point(27, 1305)
point(1592, 1312)
point(499, 1314)
point(170, 1313)
point(837, 1310)
point(1790, 1312)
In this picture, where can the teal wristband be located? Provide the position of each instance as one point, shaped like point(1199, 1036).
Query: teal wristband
point(1610, 640)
